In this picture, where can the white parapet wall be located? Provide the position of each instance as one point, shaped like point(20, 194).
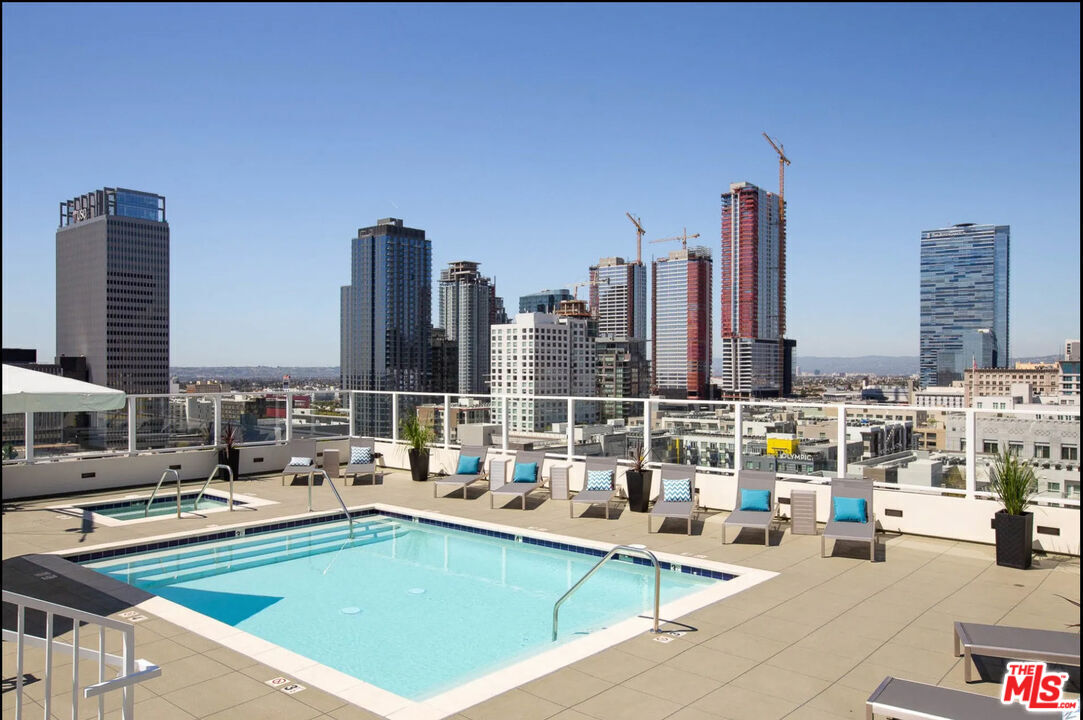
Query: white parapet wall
point(919, 513)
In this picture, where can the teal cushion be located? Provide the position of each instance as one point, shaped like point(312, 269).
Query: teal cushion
point(468, 465)
point(757, 500)
point(851, 510)
point(525, 472)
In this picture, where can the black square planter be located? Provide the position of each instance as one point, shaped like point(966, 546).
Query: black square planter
point(1015, 539)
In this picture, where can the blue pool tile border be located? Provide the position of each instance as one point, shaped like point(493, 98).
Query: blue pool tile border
point(367, 512)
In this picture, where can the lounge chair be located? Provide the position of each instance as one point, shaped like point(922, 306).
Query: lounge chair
point(846, 497)
point(463, 479)
point(752, 509)
point(361, 462)
point(302, 459)
point(1014, 643)
point(602, 488)
point(679, 498)
point(503, 471)
point(908, 700)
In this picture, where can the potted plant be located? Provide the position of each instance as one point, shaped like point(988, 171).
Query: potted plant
point(231, 454)
point(418, 437)
point(1014, 484)
point(638, 479)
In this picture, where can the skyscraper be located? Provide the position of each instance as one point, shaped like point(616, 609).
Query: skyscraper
point(964, 290)
point(387, 319)
point(618, 298)
point(112, 288)
point(756, 359)
point(467, 308)
point(681, 324)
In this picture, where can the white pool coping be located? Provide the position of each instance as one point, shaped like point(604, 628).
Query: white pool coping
point(350, 689)
point(79, 510)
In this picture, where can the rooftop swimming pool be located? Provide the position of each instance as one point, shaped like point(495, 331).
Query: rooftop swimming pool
point(414, 606)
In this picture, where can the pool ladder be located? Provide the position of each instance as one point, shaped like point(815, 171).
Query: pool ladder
point(627, 549)
point(195, 505)
point(327, 481)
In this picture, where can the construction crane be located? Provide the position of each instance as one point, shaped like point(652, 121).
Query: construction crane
point(684, 237)
point(783, 161)
point(574, 287)
point(640, 232)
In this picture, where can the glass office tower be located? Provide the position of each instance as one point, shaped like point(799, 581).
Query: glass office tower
point(387, 319)
point(964, 289)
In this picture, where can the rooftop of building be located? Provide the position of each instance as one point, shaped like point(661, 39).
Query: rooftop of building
point(812, 643)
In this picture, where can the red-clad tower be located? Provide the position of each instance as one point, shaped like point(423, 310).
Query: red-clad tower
point(752, 262)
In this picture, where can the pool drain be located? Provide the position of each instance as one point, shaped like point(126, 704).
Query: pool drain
point(351, 610)
point(416, 591)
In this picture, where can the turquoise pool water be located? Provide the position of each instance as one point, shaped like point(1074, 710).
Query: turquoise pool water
point(411, 608)
point(162, 505)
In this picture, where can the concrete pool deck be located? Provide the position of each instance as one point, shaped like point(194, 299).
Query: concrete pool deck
point(813, 642)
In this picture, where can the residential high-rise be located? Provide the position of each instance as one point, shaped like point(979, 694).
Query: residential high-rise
point(681, 324)
point(542, 354)
point(618, 298)
point(756, 357)
point(622, 371)
point(112, 288)
point(964, 300)
point(467, 308)
point(387, 319)
point(544, 301)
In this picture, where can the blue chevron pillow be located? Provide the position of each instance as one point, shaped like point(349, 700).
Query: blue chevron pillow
point(676, 490)
point(599, 480)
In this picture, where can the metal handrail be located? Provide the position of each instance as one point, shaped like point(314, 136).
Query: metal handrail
point(327, 481)
point(642, 549)
point(146, 510)
point(229, 471)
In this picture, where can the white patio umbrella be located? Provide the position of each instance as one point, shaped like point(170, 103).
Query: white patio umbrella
point(32, 391)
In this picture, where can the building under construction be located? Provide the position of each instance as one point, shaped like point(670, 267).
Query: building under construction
point(756, 359)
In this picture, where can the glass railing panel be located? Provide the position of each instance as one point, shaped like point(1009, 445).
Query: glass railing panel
point(692, 433)
point(1048, 442)
point(605, 429)
point(76, 433)
point(320, 414)
point(174, 422)
point(256, 417)
point(14, 440)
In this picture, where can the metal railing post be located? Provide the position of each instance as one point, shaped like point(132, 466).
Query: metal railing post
point(217, 420)
point(647, 428)
point(571, 428)
point(841, 462)
point(353, 414)
point(447, 422)
point(504, 425)
point(289, 416)
point(131, 425)
point(28, 436)
point(394, 417)
point(971, 453)
point(738, 436)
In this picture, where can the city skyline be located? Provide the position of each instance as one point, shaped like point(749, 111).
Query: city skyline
point(262, 183)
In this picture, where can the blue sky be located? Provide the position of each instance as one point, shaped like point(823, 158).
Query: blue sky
point(518, 136)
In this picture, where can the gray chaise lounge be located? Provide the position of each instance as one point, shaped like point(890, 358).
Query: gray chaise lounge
point(908, 700)
point(457, 481)
point(856, 531)
point(597, 497)
point(753, 480)
point(356, 469)
point(302, 459)
point(1014, 643)
point(667, 506)
point(501, 482)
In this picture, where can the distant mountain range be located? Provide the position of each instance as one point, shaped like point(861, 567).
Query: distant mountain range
point(253, 372)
